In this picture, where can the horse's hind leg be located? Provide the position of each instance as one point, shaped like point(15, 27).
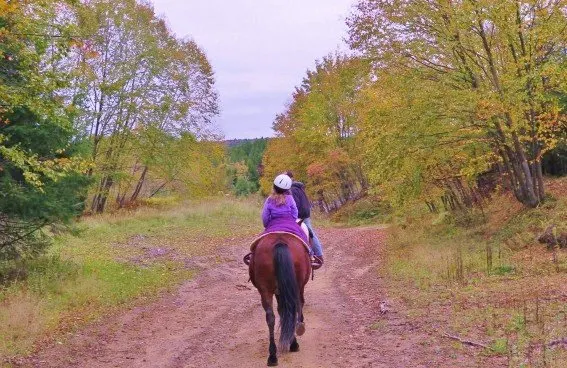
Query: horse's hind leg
point(302, 301)
point(300, 329)
point(267, 303)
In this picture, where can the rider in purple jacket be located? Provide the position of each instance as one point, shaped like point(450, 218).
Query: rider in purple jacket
point(273, 211)
point(280, 212)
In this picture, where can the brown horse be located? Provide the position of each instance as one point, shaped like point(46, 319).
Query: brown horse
point(280, 266)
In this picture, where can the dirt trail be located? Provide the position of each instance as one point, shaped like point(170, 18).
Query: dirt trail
point(216, 320)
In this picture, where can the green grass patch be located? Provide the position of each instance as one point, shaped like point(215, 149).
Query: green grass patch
point(499, 346)
point(503, 270)
point(378, 325)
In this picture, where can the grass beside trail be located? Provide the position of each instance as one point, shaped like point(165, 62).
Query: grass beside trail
point(111, 260)
point(491, 282)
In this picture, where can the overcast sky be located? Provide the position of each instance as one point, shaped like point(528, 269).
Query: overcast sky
point(259, 49)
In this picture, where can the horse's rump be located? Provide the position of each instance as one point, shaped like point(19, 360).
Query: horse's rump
point(262, 262)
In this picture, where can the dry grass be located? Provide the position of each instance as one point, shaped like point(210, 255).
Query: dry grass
point(24, 316)
point(492, 282)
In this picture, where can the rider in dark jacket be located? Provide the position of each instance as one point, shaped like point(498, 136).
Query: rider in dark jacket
point(304, 212)
point(301, 200)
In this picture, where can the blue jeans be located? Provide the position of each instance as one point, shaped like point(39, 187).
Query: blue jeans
point(317, 249)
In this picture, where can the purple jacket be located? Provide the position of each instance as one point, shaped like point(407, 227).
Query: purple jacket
point(282, 218)
point(272, 211)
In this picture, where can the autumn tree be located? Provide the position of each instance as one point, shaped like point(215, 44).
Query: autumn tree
point(319, 132)
point(135, 77)
point(501, 62)
point(162, 163)
point(279, 156)
point(414, 151)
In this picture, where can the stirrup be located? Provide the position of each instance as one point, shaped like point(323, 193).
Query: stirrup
point(316, 262)
point(247, 259)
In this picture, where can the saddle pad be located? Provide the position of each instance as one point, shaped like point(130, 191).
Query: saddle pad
point(255, 242)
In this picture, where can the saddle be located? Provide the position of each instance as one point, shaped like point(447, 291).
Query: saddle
point(316, 262)
point(306, 230)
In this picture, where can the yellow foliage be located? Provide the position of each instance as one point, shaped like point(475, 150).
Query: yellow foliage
point(318, 132)
point(7, 7)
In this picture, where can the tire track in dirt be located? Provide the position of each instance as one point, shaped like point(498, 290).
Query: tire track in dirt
point(216, 320)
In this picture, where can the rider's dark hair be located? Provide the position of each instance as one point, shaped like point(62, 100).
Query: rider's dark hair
point(289, 173)
point(279, 190)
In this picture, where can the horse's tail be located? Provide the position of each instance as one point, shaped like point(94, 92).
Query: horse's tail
point(288, 303)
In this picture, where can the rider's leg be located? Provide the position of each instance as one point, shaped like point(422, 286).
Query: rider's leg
point(317, 249)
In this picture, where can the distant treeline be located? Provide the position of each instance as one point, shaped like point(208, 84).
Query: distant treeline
point(231, 143)
point(246, 157)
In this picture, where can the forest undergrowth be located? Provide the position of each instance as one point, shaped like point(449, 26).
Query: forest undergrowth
point(490, 283)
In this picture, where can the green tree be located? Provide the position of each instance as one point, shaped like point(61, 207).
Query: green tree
point(250, 154)
point(162, 162)
point(413, 149)
point(40, 159)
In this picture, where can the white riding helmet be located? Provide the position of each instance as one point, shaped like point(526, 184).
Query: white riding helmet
point(282, 181)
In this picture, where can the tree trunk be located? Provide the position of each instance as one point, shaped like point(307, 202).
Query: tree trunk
point(99, 200)
point(431, 206)
point(445, 202)
point(121, 199)
point(539, 176)
point(465, 198)
point(528, 181)
point(156, 191)
point(139, 185)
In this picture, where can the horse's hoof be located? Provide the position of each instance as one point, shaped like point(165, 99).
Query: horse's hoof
point(272, 361)
point(294, 348)
point(300, 329)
